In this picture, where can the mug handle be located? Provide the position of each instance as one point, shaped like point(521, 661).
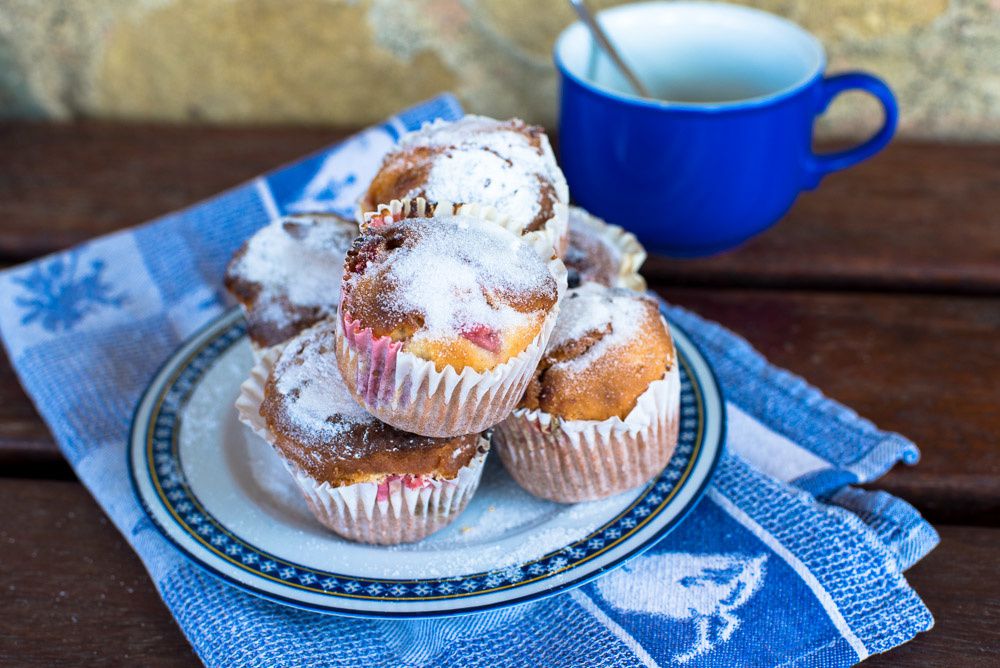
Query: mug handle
point(820, 165)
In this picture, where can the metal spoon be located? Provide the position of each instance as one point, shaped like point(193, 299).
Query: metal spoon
point(597, 32)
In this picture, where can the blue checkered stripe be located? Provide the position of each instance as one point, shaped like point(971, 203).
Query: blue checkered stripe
point(805, 571)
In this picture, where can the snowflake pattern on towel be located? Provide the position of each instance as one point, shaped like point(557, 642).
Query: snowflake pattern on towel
point(59, 293)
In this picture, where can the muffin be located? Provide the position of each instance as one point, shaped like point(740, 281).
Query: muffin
point(361, 478)
point(287, 275)
point(477, 160)
point(443, 320)
point(600, 252)
point(600, 414)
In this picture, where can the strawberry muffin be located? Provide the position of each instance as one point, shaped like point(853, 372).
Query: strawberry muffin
point(477, 160)
point(287, 275)
point(363, 479)
point(443, 321)
point(600, 414)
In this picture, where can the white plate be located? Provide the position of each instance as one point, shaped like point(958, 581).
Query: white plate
point(220, 495)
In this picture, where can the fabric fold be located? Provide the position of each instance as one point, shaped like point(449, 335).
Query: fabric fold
point(783, 562)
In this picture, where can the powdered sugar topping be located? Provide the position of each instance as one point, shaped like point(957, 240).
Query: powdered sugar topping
point(482, 176)
point(461, 274)
point(615, 312)
point(300, 258)
point(488, 162)
point(318, 402)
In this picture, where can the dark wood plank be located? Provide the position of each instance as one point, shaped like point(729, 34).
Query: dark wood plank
point(925, 366)
point(21, 428)
point(916, 216)
point(26, 446)
point(921, 365)
point(62, 184)
point(98, 608)
point(957, 582)
point(73, 591)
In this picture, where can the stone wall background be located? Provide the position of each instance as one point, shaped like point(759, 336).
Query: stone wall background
point(351, 62)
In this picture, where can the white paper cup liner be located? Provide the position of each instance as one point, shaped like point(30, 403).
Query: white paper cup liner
point(409, 393)
point(631, 254)
point(251, 394)
point(584, 460)
point(554, 233)
point(260, 352)
point(403, 515)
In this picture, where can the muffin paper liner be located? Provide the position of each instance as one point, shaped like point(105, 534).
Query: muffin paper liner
point(583, 460)
point(398, 509)
point(409, 393)
point(550, 241)
point(405, 515)
point(630, 251)
point(260, 352)
point(554, 232)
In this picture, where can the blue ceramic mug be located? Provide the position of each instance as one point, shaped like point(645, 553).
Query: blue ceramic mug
point(726, 146)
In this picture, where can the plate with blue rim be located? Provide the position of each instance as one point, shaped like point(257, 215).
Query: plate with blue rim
point(220, 495)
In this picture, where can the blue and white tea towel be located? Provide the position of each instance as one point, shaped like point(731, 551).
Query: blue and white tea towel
point(783, 563)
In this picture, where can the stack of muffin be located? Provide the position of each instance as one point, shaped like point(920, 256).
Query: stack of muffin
point(473, 308)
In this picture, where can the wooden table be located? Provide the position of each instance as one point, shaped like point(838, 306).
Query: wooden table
point(882, 288)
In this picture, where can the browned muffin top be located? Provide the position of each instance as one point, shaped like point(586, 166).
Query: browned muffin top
point(608, 345)
point(454, 289)
point(476, 160)
point(319, 427)
point(589, 258)
point(287, 275)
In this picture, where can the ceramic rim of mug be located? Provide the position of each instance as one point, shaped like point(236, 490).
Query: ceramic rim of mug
point(815, 72)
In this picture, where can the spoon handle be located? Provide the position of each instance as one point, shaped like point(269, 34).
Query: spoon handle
point(602, 40)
